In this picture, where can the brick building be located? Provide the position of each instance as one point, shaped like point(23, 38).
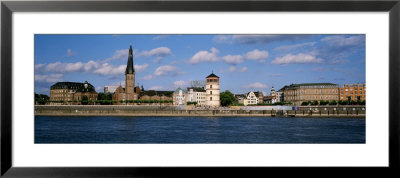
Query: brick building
point(298, 93)
point(71, 93)
point(354, 92)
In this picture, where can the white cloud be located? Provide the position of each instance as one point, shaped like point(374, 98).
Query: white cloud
point(119, 54)
point(232, 69)
point(257, 39)
point(233, 59)
point(64, 67)
point(159, 37)
point(341, 40)
point(297, 59)
point(258, 55)
point(90, 67)
point(52, 78)
point(140, 68)
point(243, 69)
point(223, 39)
point(256, 85)
point(160, 53)
point(205, 56)
point(180, 84)
point(108, 69)
point(295, 46)
point(157, 88)
point(99, 89)
point(38, 66)
point(167, 70)
point(70, 53)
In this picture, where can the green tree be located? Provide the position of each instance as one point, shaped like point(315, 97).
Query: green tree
point(151, 92)
point(84, 100)
point(304, 103)
point(227, 98)
point(333, 102)
point(323, 102)
point(41, 99)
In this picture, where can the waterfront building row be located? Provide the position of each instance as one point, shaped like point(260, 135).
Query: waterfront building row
point(208, 95)
point(299, 93)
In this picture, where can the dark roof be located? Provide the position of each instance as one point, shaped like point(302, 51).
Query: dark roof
point(307, 84)
point(79, 87)
point(268, 97)
point(129, 67)
point(312, 84)
point(257, 93)
point(196, 89)
point(240, 95)
point(212, 75)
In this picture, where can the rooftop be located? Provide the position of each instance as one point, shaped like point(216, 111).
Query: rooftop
point(308, 85)
point(79, 87)
point(212, 75)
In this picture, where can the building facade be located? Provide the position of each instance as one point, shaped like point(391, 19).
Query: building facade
point(196, 94)
point(71, 93)
point(156, 95)
point(212, 90)
point(279, 96)
point(251, 98)
point(353, 92)
point(180, 97)
point(298, 93)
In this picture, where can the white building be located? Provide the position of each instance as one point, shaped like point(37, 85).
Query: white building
point(252, 98)
point(212, 91)
point(179, 97)
point(110, 89)
point(196, 95)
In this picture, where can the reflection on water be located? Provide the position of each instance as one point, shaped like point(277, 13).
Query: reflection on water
point(198, 130)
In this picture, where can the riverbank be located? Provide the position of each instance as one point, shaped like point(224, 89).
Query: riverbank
point(178, 111)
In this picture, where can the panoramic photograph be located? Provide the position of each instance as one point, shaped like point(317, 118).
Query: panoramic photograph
point(199, 88)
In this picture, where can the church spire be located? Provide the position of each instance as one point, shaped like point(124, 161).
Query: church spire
point(129, 68)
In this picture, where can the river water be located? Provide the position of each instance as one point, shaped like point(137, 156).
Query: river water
point(179, 130)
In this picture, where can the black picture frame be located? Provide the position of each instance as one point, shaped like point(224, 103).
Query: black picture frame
point(8, 7)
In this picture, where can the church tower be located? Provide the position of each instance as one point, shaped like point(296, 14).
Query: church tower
point(130, 77)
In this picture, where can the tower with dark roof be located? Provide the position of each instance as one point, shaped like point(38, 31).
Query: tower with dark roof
point(130, 77)
point(212, 90)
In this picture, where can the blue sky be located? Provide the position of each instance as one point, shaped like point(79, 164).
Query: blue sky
point(165, 62)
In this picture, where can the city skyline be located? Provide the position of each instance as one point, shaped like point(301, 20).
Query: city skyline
point(165, 62)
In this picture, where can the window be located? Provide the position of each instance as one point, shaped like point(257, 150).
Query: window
point(210, 92)
point(210, 86)
point(210, 98)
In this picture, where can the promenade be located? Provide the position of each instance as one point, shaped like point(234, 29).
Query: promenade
point(237, 111)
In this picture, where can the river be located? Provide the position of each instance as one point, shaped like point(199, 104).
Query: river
point(186, 130)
